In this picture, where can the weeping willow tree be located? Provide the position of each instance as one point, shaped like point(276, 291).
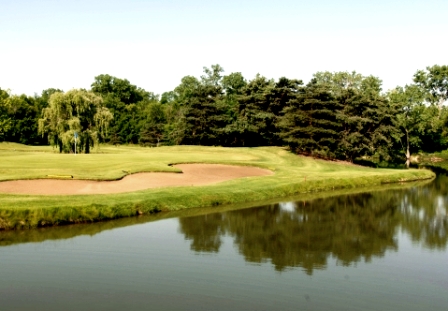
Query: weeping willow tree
point(76, 111)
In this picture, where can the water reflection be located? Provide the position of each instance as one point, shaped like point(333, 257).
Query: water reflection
point(302, 234)
point(204, 231)
point(350, 228)
point(424, 216)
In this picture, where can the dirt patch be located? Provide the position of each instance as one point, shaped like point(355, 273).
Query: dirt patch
point(192, 175)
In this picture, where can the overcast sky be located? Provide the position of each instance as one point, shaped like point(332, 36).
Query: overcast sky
point(153, 44)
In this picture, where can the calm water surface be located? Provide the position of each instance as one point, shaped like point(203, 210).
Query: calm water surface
point(382, 250)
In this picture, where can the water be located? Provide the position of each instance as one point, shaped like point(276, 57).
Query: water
point(383, 250)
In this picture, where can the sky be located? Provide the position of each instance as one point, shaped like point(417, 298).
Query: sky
point(153, 44)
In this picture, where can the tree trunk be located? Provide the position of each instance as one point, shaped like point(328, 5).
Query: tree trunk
point(408, 153)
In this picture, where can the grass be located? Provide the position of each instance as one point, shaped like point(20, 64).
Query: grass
point(293, 175)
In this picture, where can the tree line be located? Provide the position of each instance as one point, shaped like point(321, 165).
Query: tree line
point(341, 115)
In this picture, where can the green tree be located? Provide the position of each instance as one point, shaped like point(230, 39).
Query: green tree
point(153, 129)
point(233, 85)
point(257, 122)
point(365, 115)
point(410, 119)
point(127, 102)
point(23, 114)
point(168, 97)
point(309, 123)
point(434, 83)
point(199, 102)
point(5, 120)
point(338, 82)
point(77, 111)
point(18, 118)
point(434, 80)
point(367, 119)
point(122, 89)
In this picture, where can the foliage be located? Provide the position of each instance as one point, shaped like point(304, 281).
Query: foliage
point(434, 80)
point(127, 103)
point(5, 121)
point(153, 128)
point(257, 121)
point(367, 120)
point(76, 112)
point(337, 115)
point(309, 124)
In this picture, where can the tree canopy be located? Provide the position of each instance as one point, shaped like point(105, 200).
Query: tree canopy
point(337, 115)
point(75, 113)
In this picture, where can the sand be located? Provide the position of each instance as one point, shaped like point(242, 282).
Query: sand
point(192, 175)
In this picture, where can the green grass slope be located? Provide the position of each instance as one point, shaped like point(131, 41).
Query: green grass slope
point(292, 175)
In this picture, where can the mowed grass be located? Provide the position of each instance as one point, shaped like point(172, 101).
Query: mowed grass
point(108, 162)
point(292, 175)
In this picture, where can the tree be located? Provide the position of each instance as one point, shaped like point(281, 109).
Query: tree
point(365, 115)
point(309, 123)
point(198, 101)
point(122, 89)
point(168, 97)
point(367, 120)
point(201, 116)
point(153, 128)
point(127, 102)
point(5, 120)
point(257, 121)
point(213, 76)
point(77, 111)
point(23, 115)
point(233, 85)
point(410, 118)
point(435, 82)
point(18, 118)
point(338, 82)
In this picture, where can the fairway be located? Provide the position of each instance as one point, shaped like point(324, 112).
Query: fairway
point(291, 175)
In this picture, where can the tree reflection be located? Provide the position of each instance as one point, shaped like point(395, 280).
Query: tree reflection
point(424, 214)
point(205, 231)
point(350, 228)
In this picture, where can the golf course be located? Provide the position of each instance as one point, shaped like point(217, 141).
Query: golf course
point(41, 187)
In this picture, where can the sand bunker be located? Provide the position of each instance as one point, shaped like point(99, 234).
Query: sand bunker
point(193, 175)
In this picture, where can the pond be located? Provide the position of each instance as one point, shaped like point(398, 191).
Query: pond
point(383, 250)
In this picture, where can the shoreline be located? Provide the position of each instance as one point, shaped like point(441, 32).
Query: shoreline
point(293, 175)
point(166, 199)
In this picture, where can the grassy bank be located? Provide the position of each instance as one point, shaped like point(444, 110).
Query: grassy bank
point(67, 232)
point(293, 175)
point(437, 162)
